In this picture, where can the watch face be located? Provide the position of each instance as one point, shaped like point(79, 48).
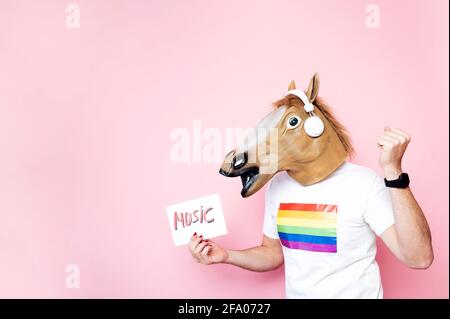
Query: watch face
point(404, 180)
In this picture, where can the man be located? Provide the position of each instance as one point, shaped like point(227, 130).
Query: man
point(365, 205)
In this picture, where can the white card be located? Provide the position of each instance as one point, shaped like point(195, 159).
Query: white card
point(202, 215)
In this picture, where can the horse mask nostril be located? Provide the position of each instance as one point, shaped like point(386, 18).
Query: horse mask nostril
point(239, 160)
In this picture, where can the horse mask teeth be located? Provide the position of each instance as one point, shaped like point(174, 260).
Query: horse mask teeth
point(308, 159)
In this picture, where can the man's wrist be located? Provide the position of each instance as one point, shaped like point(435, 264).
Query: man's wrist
point(392, 173)
point(228, 259)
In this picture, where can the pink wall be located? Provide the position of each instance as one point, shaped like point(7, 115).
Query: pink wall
point(86, 115)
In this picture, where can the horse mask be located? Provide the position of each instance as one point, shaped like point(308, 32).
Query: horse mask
point(301, 136)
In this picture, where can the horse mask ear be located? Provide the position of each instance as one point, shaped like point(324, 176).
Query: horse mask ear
point(291, 85)
point(313, 88)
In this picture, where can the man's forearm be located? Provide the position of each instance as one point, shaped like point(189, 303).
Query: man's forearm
point(413, 233)
point(259, 258)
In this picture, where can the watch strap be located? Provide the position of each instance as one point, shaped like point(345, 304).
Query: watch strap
point(401, 182)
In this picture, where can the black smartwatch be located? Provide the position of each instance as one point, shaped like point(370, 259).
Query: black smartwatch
point(401, 182)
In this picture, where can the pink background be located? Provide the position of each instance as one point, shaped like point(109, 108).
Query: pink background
point(86, 115)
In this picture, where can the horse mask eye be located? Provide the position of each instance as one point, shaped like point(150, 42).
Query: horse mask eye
point(293, 122)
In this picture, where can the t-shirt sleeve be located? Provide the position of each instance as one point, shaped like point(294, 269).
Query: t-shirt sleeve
point(270, 215)
point(379, 213)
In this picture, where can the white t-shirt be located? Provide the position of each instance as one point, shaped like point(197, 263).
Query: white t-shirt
point(327, 231)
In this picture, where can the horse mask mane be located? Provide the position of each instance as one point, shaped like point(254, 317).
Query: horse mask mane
point(280, 142)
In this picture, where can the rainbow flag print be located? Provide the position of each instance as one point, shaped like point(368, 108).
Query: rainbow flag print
point(309, 227)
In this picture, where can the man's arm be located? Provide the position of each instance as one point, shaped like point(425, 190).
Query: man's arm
point(410, 238)
point(268, 256)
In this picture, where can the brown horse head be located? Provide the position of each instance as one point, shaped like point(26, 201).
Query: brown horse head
point(280, 143)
